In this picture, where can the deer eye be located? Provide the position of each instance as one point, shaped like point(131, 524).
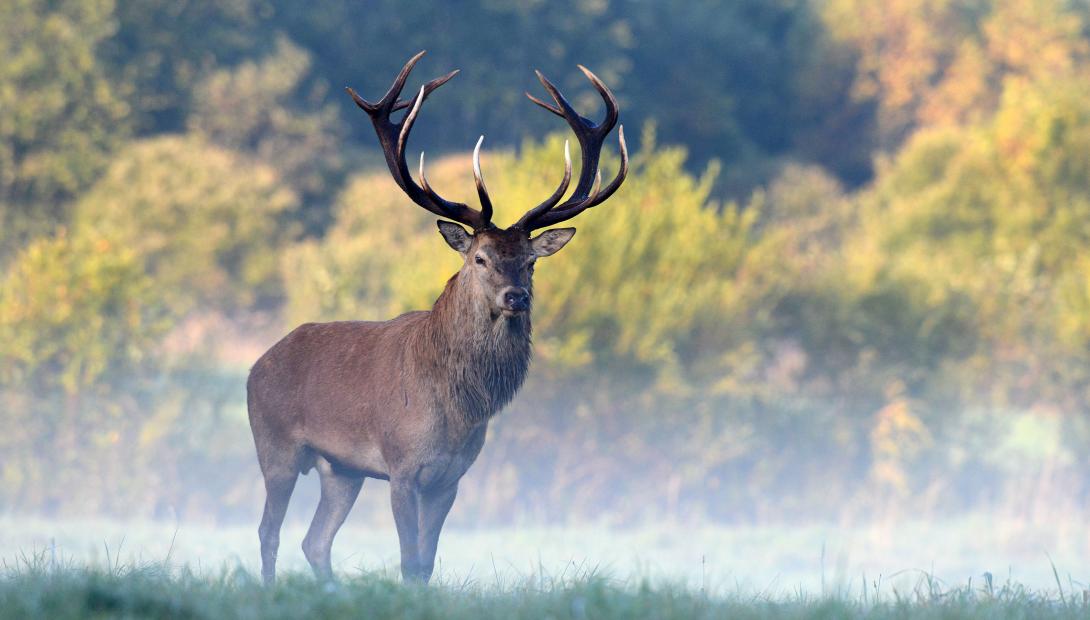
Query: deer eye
point(479, 260)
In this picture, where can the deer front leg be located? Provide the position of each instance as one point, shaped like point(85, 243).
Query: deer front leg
point(434, 506)
point(403, 500)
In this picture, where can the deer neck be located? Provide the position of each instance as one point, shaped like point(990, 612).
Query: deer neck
point(480, 359)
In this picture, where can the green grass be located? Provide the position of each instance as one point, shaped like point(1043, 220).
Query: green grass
point(770, 558)
point(35, 587)
point(103, 568)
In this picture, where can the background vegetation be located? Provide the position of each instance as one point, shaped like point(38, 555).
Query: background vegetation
point(848, 274)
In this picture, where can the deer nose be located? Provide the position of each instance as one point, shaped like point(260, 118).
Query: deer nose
point(516, 298)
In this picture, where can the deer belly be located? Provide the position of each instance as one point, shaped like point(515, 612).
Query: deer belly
point(369, 459)
point(365, 460)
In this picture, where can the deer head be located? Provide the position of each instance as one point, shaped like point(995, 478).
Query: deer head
point(499, 263)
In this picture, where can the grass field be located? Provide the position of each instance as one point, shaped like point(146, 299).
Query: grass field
point(973, 567)
point(36, 591)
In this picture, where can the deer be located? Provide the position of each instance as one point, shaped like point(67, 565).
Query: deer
point(409, 400)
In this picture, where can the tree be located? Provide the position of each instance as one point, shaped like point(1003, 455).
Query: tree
point(81, 322)
point(75, 311)
point(62, 115)
point(941, 62)
point(996, 215)
point(205, 222)
point(724, 78)
point(255, 108)
point(166, 48)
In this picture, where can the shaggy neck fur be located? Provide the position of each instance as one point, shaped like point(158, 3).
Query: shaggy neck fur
point(478, 360)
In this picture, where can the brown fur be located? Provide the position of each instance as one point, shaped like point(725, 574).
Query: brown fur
point(406, 400)
point(409, 399)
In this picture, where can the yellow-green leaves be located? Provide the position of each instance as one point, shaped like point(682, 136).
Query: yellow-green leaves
point(73, 310)
point(202, 221)
point(61, 116)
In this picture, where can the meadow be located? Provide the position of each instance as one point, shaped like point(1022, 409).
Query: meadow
point(973, 567)
point(151, 592)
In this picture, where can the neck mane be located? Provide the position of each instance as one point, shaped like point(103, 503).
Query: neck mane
point(477, 360)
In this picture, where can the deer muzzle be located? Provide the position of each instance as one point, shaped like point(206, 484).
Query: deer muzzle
point(514, 299)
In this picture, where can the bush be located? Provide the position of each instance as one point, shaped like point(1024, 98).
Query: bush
point(74, 310)
point(204, 222)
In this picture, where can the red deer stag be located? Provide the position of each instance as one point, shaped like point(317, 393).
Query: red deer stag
point(408, 400)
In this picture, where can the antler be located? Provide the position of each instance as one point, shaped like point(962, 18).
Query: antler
point(393, 137)
point(590, 136)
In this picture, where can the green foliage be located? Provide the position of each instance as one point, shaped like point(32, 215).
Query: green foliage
point(165, 49)
point(652, 280)
point(996, 211)
point(382, 255)
point(947, 62)
point(254, 108)
point(62, 115)
point(73, 311)
point(203, 221)
point(727, 79)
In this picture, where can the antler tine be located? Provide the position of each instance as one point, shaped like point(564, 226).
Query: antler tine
point(402, 103)
point(393, 137)
point(426, 186)
point(407, 124)
point(551, 201)
point(486, 202)
point(548, 107)
point(360, 101)
point(390, 98)
point(563, 109)
point(391, 95)
point(596, 197)
point(428, 88)
point(590, 136)
point(612, 108)
point(423, 177)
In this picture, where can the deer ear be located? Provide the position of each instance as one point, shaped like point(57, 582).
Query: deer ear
point(550, 241)
point(456, 236)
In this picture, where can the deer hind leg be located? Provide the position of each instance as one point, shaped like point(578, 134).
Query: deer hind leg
point(279, 483)
point(339, 492)
point(434, 506)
